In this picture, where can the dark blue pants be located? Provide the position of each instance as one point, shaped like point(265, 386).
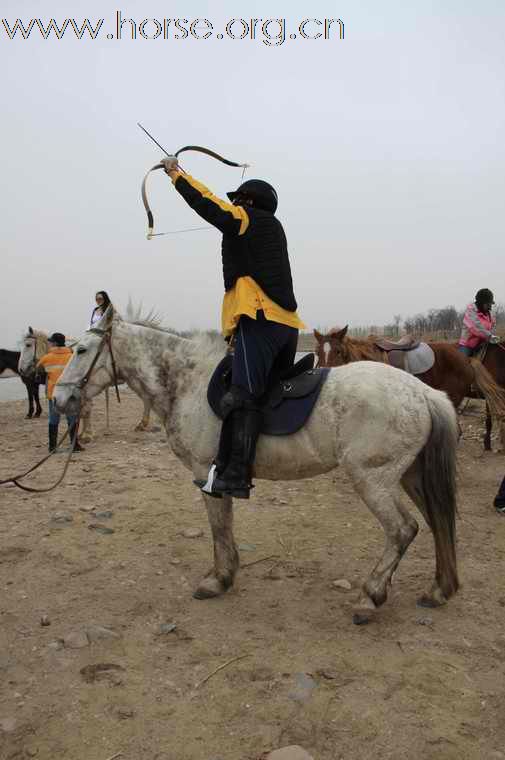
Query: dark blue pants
point(260, 347)
point(54, 415)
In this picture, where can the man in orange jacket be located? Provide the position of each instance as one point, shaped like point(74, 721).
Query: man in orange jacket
point(54, 363)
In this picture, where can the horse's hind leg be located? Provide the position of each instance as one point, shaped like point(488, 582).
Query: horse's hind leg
point(226, 559)
point(384, 501)
point(29, 390)
point(489, 429)
point(412, 484)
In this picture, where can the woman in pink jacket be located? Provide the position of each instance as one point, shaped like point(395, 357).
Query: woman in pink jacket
point(478, 324)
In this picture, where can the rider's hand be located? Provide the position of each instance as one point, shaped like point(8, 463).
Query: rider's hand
point(170, 164)
point(494, 339)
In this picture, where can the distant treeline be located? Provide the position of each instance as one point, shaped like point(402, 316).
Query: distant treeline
point(442, 323)
point(437, 324)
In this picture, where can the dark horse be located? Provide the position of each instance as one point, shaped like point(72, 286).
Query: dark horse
point(9, 360)
point(452, 371)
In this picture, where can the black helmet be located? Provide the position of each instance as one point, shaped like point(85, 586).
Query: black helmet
point(58, 339)
point(484, 295)
point(261, 193)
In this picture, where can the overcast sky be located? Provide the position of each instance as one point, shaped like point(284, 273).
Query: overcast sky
point(386, 148)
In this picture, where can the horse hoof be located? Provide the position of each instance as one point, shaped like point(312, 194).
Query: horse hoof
point(208, 589)
point(360, 618)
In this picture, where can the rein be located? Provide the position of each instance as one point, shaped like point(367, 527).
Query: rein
point(195, 148)
point(16, 478)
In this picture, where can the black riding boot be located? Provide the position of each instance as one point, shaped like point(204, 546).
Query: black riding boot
point(236, 478)
point(53, 437)
point(221, 460)
point(499, 501)
point(73, 432)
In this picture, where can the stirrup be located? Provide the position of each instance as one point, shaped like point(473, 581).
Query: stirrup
point(206, 486)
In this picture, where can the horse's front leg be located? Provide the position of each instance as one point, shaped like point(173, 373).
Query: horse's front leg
point(144, 422)
point(226, 558)
point(86, 435)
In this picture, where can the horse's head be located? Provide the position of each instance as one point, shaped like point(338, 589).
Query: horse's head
point(331, 348)
point(34, 346)
point(90, 369)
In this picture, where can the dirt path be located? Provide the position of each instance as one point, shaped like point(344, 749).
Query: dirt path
point(416, 684)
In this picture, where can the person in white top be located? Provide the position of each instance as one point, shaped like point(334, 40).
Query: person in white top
point(102, 302)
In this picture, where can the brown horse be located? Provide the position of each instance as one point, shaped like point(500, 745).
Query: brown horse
point(452, 371)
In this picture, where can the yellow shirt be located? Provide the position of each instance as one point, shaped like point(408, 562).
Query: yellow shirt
point(246, 297)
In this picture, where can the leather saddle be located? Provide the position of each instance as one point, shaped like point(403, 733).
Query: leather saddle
point(289, 400)
point(408, 354)
point(406, 343)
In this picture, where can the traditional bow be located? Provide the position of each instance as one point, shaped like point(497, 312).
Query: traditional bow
point(196, 148)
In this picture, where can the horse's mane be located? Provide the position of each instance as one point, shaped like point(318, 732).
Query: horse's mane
point(358, 349)
point(361, 349)
point(207, 344)
point(152, 319)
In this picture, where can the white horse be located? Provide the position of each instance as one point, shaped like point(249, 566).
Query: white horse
point(386, 428)
point(34, 346)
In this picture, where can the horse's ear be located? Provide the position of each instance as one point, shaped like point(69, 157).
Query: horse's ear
point(318, 336)
point(342, 333)
point(30, 330)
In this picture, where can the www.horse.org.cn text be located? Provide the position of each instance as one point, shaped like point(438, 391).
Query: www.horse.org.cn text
point(271, 31)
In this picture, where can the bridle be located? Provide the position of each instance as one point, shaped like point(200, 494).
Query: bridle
point(33, 363)
point(106, 340)
point(197, 149)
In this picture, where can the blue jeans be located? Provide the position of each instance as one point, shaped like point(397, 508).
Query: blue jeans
point(466, 350)
point(54, 415)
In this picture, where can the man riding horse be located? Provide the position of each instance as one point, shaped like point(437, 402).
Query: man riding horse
point(259, 309)
point(478, 324)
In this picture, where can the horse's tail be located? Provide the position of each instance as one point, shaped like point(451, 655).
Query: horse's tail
point(438, 486)
point(494, 395)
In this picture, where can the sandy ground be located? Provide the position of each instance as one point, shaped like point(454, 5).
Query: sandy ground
point(414, 684)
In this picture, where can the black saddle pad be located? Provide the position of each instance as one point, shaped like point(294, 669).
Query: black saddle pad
point(286, 406)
